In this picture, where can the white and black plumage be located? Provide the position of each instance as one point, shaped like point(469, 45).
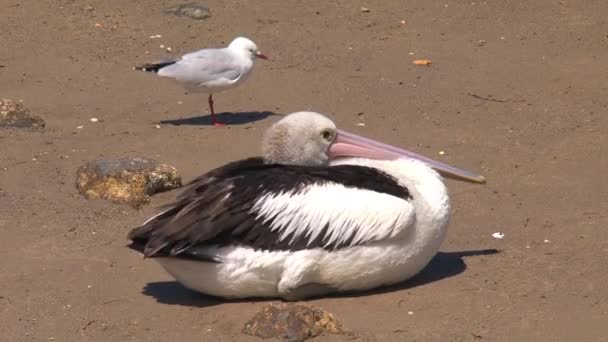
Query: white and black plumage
point(308, 218)
point(210, 70)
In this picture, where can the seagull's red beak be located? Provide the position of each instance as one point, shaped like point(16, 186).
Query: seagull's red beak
point(260, 55)
point(352, 145)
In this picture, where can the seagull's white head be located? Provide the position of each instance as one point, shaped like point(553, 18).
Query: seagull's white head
point(246, 47)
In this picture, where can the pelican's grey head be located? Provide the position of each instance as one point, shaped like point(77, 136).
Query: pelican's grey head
point(301, 138)
point(246, 47)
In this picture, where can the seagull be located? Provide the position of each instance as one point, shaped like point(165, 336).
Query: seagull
point(210, 70)
point(321, 211)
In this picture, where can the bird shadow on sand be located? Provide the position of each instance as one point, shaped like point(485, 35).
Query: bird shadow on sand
point(444, 265)
point(241, 118)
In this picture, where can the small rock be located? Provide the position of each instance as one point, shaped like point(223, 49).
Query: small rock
point(481, 43)
point(16, 115)
point(94, 120)
point(292, 322)
point(129, 180)
point(365, 10)
point(190, 10)
point(498, 235)
point(425, 62)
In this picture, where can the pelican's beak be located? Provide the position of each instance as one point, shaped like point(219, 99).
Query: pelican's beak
point(260, 55)
point(352, 145)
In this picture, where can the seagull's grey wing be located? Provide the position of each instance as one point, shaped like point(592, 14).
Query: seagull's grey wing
point(204, 66)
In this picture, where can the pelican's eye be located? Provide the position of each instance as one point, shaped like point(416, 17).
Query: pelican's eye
point(327, 134)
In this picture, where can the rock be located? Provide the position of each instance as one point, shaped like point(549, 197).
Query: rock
point(191, 10)
point(292, 322)
point(129, 180)
point(16, 115)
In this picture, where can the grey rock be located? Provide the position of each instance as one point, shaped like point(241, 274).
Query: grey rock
point(190, 10)
point(129, 180)
point(16, 115)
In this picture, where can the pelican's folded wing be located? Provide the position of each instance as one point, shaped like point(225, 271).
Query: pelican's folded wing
point(277, 207)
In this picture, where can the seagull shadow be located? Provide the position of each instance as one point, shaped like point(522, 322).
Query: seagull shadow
point(444, 265)
point(241, 118)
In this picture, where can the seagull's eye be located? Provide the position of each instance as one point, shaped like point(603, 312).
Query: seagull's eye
point(327, 134)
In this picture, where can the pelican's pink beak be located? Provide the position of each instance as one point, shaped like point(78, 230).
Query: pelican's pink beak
point(352, 145)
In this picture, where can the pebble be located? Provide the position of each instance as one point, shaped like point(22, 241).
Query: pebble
point(441, 152)
point(80, 127)
point(546, 241)
point(94, 120)
point(365, 10)
point(360, 124)
point(157, 126)
point(410, 312)
point(498, 235)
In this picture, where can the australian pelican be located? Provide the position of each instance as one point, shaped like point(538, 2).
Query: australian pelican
point(322, 211)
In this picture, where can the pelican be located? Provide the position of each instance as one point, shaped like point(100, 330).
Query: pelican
point(322, 211)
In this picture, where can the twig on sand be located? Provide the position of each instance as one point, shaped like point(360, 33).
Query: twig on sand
point(493, 100)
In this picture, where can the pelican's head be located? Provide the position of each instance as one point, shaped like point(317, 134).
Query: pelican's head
point(246, 47)
point(311, 139)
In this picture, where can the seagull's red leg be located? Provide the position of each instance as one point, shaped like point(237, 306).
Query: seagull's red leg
point(213, 118)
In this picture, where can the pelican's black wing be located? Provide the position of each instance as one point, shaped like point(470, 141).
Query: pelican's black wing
point(225, 206)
